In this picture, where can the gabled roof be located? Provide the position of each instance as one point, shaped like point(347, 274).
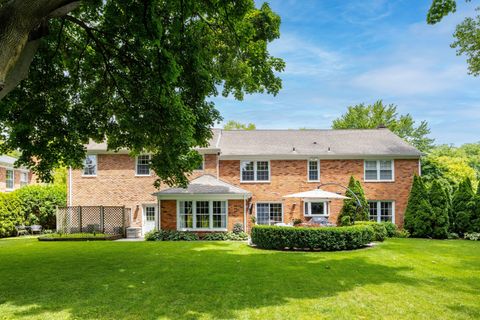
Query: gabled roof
point(326, 143)
point(205, 185)
point(7, 160)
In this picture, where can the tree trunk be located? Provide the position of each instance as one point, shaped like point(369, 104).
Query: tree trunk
point(21, 25)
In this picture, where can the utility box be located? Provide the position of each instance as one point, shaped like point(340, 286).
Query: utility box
point(134, 232)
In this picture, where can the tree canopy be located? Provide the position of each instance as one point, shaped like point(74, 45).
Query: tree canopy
point(139, 74)
point(235, 125)
point(362, 116)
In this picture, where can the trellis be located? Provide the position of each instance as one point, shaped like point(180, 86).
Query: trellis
point(104, 219)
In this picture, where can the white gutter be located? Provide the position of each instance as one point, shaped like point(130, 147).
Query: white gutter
point(244, 214)
point(70, 194)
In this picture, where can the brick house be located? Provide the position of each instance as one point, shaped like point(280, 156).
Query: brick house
point(246, 175)
point(11, 177)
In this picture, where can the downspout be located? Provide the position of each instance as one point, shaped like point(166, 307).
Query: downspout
point(159, 226)
point(244, 214)
point(70, 195)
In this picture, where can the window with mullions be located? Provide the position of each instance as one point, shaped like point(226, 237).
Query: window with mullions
point(202, 215)
point(378, 170)
point(381, 211)
point(313, 170)
point(269, 213)
point(255, 171)
point(143, 165)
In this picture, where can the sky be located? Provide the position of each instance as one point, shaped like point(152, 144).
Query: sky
point(342, 53)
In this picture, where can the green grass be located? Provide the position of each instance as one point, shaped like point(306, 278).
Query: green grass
point(398, 279)
point(75, 235)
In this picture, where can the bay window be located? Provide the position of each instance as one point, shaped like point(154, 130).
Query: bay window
point(378, 170)
point(202, 215)
point(254, 171)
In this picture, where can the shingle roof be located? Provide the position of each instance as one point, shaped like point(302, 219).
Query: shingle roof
point(329, 143)
point(205, 184)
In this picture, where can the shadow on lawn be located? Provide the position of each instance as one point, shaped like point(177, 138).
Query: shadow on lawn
point(175, 280)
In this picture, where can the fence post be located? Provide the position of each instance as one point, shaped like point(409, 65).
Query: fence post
point(123, 222)
point(80, 218)
point(102, 218)
point(56, 218)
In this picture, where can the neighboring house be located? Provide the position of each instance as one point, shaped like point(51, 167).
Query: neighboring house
point(246, 174)
point(12, 178)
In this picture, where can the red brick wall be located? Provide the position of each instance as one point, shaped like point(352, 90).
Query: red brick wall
point(16, 181)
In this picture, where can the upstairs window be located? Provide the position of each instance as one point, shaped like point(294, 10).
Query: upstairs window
point(381, 211)
point(313, 170)
point(9, 179)
point(255, 171)
point(143, 165)
point(378, 170)
point(23, 178)
point(90, 165)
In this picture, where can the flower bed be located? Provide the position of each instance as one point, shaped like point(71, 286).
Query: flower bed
point(324, 238)
point(78, 237)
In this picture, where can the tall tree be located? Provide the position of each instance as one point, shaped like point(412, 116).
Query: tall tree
point(417, 194)
point(466, 33)
point(440, 206)
point(139, 74)
point(463, 204)
point(363, 116)
point(235, 125)
point(350, 211)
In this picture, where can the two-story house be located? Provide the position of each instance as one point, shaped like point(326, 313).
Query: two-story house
point(11, 177)
point(246, 175)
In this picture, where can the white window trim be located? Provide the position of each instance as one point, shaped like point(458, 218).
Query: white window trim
point(136, 164)
point(194, 215)
point(268, 202)
point(255, 172)
point(144, 215)
point(379, 206)
point(308, 170)
point(326, 209)
point(22, 172)
point(203, 165)
point(378, 171)
point(13, 179)
point(96, 167)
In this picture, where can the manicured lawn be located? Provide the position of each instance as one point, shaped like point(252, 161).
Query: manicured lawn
point(398, 279)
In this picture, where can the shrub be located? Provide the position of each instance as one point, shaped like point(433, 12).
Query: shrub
point(475, 236)
point(463, 206)
point(453, 235)
point(417, 194)
point(10, 214)
point(440, 207)
point(38, 203)
point(349, 208)
point(238, 227)
point(297, 221)
point(390, 227)
point(402, 234)
point(223, 236)
point(324, 238)
point(379, 230)
point(170, 235)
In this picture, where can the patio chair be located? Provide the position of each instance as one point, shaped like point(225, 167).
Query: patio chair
point(21, 230)
point(36, 228)
point(323, 221)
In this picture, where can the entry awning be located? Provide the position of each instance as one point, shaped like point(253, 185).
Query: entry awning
point(205, 186)
point(316, 194)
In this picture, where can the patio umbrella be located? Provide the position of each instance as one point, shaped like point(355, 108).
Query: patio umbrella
point(316, 194)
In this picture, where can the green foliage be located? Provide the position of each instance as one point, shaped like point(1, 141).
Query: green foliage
point(440, 9)
point(141, 76)
point(379, 230)
point(234, 125)
point(441, 208)
point(402, 234)
point(390, 227)
point(417, 194)
point(73, 236)
point(463, 206)
point(474, 236)
point(324, 238)
point(10, 214)
point(363, 116)
point(38, 203)
point(350, 211)
point(226, 236)
point(170, 235)
point(237, 227)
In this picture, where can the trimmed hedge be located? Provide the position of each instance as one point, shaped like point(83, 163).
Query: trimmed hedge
point(323, 238)
point(379, 229)
point(170, 235)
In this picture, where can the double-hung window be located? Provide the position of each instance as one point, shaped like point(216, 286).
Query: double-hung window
point(255, 171)
point(313, 170)
point(202, 215)
point(315, 208)
point(90, 165)
point(379, 170)
point(23, 178)
point(269, 213)
point(381, 211)
point(142, 167)
point(9, 179)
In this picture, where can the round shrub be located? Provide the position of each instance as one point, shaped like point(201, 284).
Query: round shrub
point(170, 235)
point(10, 214)
point(323, 238)
point(390, 227)
point(379, 229)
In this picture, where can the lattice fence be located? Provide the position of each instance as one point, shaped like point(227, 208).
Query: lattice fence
point(104, 219)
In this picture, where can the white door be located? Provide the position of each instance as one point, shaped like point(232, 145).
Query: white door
point(149, 218)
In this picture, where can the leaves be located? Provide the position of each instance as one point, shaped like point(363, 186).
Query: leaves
point(234, 125)
point(439, 9)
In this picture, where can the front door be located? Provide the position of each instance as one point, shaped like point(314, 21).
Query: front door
point(149, 218)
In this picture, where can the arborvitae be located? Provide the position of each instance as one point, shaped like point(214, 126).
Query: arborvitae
point(476, 212)
point(423, 220)
point(349, 209)
point(463, 204)
point(440, 206)
point(417, 194)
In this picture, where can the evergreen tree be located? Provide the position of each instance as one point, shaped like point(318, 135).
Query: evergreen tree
point(417, 193)
point(423, 220)
point(463, 204)
point(440, 206)
point(349, 210)
point(476, 212)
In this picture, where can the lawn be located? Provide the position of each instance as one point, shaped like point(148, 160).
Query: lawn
point(398, 279)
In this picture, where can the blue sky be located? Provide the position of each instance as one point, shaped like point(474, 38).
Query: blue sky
point(340, 53)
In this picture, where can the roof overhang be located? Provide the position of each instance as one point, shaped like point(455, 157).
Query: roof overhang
point(317, 156)
point(201, 196)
